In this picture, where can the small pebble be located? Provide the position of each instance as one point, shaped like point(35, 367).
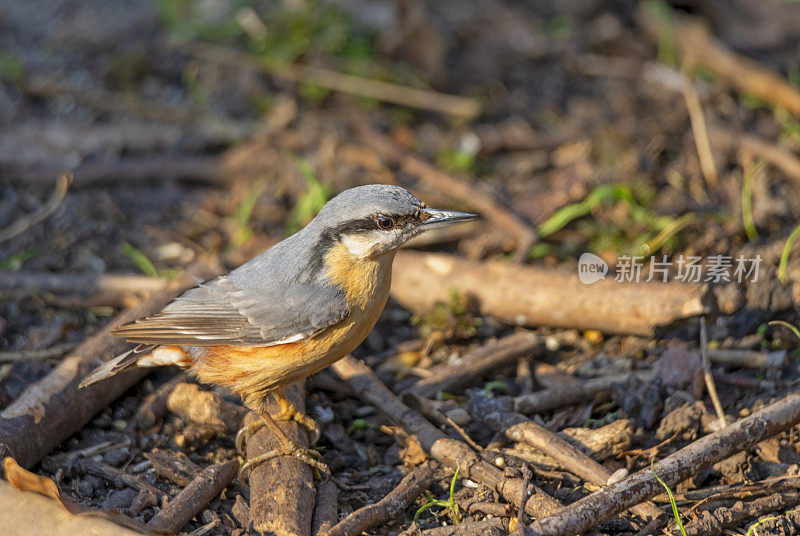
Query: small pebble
point(116, 457)
point(552, 343)
point(467, 483)
point(500, 462)
point(322, 414)
point(744, 412)
point(459, 416)
point(84, 489)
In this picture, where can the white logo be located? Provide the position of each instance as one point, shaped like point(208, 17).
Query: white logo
point(591, 268)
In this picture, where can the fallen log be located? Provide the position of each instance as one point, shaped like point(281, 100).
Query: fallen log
point(586, 513)
point(538, 296)
point(52, 409)
point(282, 493)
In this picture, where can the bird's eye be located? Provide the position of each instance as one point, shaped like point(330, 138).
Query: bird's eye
point(385, 223)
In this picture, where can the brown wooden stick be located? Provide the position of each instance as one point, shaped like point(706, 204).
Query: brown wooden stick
point(465, 107)
point(499, 415)
point(52, 409)
point(192, 167)
point(174, 466)
point(281, 489)
point(389, 507)
point(682, 464)
point(194, 498)
point(550, 399)
point(452, 453)
point(326, 510)
point(457, 188)
point(80, 289)
point(496, 354)
point(541, 296)
point(695, 42)
point(42, 213)
point(711, 523)
point(748, 358)
point(776, 155)
point(108, 472)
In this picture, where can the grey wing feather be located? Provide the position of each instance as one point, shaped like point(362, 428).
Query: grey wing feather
point(221, 312)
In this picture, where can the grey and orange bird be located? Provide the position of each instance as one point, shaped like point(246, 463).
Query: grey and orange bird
point(291, 311)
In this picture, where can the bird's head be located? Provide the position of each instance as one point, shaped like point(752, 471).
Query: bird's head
point(376, 219)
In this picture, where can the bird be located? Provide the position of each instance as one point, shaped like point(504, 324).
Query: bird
point(287, 313)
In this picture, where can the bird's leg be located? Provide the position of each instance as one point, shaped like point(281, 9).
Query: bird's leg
point(290, 413)
point(286, 447)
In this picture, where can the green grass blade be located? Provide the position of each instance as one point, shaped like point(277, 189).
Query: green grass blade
point(752, 530)
point(787, 325)
point(139, 259)
point(787, 248)
point(672, 502)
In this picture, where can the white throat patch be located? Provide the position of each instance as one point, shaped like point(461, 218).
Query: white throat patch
point(359, 245)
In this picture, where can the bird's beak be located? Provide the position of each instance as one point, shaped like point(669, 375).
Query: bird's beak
point(440, 218)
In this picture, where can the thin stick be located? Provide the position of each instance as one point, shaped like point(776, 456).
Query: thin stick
point(709, 378)
point(424, 99)
point(487, 358)
point(693, 459)
point(39, 215)
point(699, 129)
point(31, 355)
point(108, 472)
point(389, 507)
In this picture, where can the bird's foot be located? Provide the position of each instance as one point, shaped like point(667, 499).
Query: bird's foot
point(307, 456)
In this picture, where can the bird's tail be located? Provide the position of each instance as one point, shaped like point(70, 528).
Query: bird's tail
point(118, 364)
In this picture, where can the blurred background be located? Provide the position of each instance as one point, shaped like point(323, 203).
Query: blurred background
point(195, 128)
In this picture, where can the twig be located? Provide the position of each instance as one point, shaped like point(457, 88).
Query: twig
point(735, 357)
point(550, 399)
point(498, 414)
point(474, 365)
point(53, 408)
point(281, 489)
point(530, 296)
point(326, 509)
point(389, 507)
point(527, 474)
point(113, 474)
point(40, 214)
point(694, 39)
point(132, 169)
point(715, 522)
point(708, 377)
point(465, 107)
point(194, 497)
point(487, 527)
point(46, 353)
point(776, 155)
point(457, 188)
point(85, 290)
point(699, 129)
point(452, 453)
point(677, 467)
point(174, 466)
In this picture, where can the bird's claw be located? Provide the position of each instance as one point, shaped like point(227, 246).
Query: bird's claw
point(307, 456)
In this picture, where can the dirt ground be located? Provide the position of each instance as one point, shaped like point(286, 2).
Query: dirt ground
point(584, 135)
